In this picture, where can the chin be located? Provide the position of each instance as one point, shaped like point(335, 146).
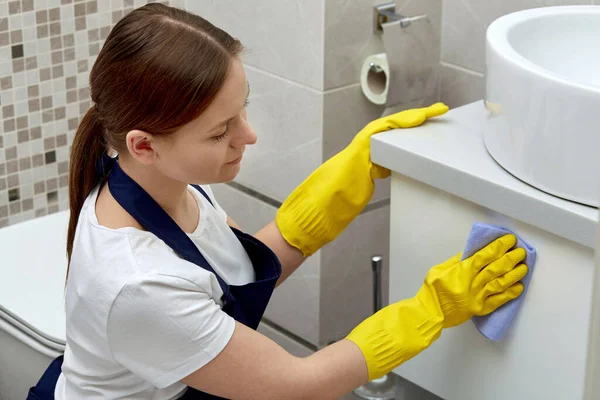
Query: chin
point(229, 173)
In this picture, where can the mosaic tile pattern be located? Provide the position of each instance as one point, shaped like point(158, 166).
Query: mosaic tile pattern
point(46, 50)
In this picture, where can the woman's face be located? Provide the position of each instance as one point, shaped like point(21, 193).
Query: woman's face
point(209, 149)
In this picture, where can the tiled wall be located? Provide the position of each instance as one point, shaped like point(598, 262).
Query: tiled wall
point(463, 42)
point(46, 50)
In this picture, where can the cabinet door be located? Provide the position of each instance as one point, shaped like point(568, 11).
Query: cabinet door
point(544, 354)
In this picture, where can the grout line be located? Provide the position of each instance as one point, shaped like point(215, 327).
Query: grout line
point(324, 44)
point(463, 69)
point(442, 24)
point(290, 81)
point(253, 193)
point(376, 205)
point(302, 85)
point(289, 334)
point(340, 88)
point(276, 203)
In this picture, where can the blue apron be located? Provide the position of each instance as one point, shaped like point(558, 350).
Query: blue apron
point(246, 303)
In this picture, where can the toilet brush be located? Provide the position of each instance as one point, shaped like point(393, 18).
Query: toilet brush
point(381, 388)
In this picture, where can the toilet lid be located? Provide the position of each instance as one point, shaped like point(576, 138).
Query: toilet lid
point(33, 264)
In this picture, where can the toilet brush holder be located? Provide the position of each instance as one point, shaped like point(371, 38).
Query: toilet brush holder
point(381, 388)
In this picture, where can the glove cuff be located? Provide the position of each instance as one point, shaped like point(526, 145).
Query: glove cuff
point(318, 210)
point(397, 337)
point(303, 225)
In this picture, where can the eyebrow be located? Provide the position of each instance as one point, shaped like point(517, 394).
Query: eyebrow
point(224, 122)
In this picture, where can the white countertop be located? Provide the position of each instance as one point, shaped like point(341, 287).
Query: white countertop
point(448, 153)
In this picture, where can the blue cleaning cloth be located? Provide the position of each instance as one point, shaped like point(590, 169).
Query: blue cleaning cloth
point(495, 325)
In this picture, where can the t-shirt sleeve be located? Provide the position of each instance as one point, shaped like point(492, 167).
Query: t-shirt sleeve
point(210, 194)
point(163, 328)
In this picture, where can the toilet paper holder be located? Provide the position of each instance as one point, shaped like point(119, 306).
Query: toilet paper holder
point(390, 78)
point(386, 12)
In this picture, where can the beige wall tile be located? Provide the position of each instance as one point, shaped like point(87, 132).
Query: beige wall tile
point(349, 36)
point(345, 112)
point(460, 87)
point(283, 37)
point(346, 277)
point(465, 23)
point(287, 118)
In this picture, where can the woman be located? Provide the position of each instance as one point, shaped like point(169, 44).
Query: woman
point(164, 293)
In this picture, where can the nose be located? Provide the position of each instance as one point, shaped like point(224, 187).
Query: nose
point(245, 136)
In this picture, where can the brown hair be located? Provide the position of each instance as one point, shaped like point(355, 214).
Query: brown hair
point(159, 69)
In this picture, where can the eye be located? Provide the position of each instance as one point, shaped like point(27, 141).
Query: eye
point(222, 136)
point(246, 102)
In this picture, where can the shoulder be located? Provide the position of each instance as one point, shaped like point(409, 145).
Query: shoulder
point(110, 213)
point(112, 259)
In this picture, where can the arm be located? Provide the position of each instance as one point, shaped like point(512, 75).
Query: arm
point(331, 197)
point(289, 256)
point(251, 366)
point(318, 210)
point(232, 223)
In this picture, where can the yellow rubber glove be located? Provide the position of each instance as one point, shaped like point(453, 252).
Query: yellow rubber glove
point(318, 210)
point(453, 292)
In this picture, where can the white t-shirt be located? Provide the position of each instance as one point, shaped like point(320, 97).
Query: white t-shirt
point(139, 317)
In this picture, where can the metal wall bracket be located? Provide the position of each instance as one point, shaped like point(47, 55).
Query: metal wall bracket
point(383, 13)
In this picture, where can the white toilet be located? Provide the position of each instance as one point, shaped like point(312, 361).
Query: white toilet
point(33, 264)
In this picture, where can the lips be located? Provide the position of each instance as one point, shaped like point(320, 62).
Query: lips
point(237, 160)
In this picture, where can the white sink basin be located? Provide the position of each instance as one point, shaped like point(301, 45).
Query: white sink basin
point(543, 93)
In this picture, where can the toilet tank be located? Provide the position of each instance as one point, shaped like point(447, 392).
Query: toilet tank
point(33, 265)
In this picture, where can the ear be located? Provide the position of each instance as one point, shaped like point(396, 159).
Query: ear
point(141, 146)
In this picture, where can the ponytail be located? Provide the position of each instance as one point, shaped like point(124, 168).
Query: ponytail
point(88, 147)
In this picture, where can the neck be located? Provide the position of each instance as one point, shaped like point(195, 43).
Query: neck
point(170, 194)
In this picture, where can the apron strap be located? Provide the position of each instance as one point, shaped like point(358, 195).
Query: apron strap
point(203, 193)
point(148, 213)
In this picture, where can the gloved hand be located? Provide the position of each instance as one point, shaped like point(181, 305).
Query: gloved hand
point(452, 293)
point(318, 210)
